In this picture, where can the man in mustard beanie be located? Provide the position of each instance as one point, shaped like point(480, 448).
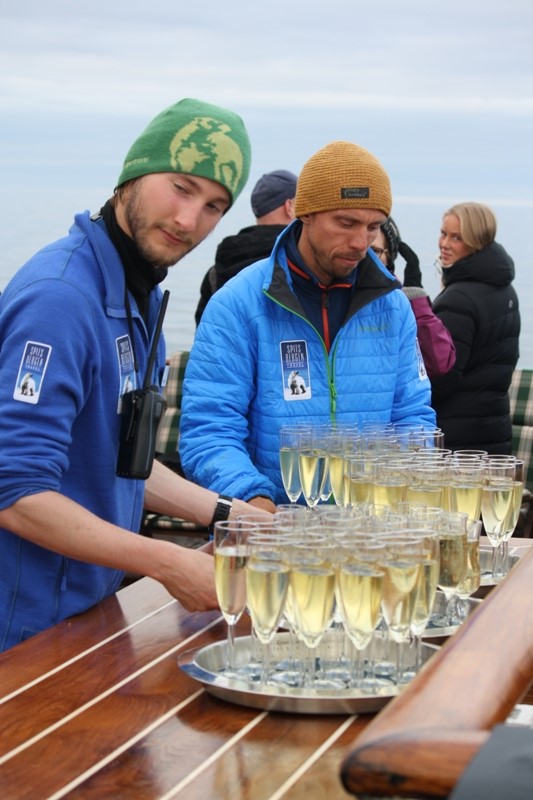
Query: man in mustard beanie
point(321, 314)
point(80, 318)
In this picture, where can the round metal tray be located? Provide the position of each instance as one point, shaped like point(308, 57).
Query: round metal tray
point(207, 666)
point(485, 566)
point(438, 629)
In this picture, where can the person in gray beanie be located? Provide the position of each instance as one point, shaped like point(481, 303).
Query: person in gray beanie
point(272, 204)
point(435, 340)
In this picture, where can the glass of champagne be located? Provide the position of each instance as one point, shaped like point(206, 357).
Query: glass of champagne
point(426, 483)
point(496, 504)
point(360, 578)
point(472, 579)
point(390, 480)
point(402, 564)
point(313, 463)
point(511, 521)
point(267, 582)
point(427, 586)
point(288, 460)
point(358, 486)
point(312, 582)
point(230, 547)
point(452, 528)
point(465, 484)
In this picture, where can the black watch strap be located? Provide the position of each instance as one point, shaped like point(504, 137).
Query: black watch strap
point(222, 510)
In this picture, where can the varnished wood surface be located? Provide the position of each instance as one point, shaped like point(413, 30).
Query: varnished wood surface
point(97, 707)
point(423, 740)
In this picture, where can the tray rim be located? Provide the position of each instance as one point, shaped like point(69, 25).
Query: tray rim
point(270, 698)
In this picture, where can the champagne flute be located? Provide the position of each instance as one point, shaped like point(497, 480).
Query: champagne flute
point(360, 579)
point(496, 503)
point(288, 460)
point(512, 516)
point(313, 466)
point(427, 586)
point(472, 579)
point(359, 489)
point(267, 581)
point(452, 528)
point(465, 485)
point(402, 564)
point(312, 582)
point(231, 553)
point(390, 480)
point(426, 483)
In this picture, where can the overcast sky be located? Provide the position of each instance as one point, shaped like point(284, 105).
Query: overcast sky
point(442, 93)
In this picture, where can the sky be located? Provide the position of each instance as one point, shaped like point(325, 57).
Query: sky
point(441, 93)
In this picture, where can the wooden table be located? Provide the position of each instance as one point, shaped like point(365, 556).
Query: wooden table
point(97, 707)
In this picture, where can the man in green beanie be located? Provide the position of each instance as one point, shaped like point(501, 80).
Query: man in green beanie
point(77, 323)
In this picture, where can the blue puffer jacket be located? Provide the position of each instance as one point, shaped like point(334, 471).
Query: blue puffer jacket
point(257, 363)
point(65, 359)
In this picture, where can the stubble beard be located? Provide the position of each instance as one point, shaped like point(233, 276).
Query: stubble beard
point(141, 232)
point(324, 268)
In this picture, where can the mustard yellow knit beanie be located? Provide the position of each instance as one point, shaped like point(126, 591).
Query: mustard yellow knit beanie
point(342, 175)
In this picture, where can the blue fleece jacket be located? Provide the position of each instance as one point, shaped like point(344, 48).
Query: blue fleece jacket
point(65, 360)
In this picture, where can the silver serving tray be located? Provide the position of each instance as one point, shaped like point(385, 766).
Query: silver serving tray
point(485, 566)
point(206, 665)
point(437, 629)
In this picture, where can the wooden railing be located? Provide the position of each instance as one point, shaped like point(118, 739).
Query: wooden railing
point(421, 743)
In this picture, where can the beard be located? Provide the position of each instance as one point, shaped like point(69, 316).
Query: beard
point(152, 247)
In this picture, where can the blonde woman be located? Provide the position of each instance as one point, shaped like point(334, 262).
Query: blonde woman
point(479, 306)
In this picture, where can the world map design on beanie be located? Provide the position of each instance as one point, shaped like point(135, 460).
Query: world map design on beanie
point(193, 138)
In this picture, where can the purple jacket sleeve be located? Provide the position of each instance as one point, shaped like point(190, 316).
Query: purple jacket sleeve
point(435, 340)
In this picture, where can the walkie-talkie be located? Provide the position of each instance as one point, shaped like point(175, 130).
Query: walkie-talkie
point(142, 410)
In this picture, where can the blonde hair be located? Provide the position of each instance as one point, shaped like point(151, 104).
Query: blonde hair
point(477, 222)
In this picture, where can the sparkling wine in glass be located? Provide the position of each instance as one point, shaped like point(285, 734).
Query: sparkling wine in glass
point(288, 460)
point(313, 462)
point(496, 504)
point(267, 582)
point(231, 554)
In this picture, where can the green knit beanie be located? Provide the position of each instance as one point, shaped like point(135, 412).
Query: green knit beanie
point(193, 138)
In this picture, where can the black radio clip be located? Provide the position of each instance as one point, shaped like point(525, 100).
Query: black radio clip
point(142, 410)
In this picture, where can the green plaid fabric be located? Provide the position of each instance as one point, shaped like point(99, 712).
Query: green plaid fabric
point(168, 434)
point(167, 445)
point(521, 398)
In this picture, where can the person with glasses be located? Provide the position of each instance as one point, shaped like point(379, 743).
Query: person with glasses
point(435, 340)
point(479, 306)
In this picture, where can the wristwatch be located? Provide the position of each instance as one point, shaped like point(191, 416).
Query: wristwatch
point(222, 510)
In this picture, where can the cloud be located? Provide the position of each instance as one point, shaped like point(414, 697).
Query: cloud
point(463, 57)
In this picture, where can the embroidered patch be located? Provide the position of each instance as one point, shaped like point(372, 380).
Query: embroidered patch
point(295, 371)
point(126, 367)
point(31, 372)
point(355, 192)
point(422, 374)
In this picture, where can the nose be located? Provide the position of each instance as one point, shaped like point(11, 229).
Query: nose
point(359, 239)
point(187, 215)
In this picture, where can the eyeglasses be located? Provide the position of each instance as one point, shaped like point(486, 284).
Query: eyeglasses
point(379, 251)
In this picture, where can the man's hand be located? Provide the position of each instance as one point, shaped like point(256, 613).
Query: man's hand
point(412, 275)
point(263, 503)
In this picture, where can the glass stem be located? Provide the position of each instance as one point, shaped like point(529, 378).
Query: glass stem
point(231, 662)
